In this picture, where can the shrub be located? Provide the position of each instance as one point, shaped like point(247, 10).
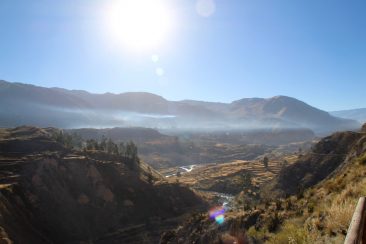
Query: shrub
point(311, 207)
point(290, 233)
point(258, 235)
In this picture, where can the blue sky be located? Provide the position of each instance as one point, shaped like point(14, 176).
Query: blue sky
point(314, 50)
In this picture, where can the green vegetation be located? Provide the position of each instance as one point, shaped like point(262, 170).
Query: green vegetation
point(68, 140)
point(128, 152)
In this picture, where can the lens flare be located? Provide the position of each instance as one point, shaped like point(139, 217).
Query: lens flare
point(155, 58)
point(205, 8)
point(217, 214)
point(160, 71)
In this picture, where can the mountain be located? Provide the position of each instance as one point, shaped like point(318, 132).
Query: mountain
point(28, 104)
point(355, 114)
point(292, 111)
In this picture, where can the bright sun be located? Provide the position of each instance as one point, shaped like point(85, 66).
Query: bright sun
point(138, 24)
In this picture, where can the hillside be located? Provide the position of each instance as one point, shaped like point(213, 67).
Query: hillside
point(27, 104)
point(327, 155)
point(320, 191)
point(53, 194)
point(322, 212)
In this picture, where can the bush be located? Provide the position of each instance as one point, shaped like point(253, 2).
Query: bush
point(258, 235)
point(290, 233)
point(311, 207)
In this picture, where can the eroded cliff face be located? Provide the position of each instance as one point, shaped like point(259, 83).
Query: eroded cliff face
point(327, 158)
point(63, 196)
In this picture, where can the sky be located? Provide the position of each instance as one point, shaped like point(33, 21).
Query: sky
point(210, 50)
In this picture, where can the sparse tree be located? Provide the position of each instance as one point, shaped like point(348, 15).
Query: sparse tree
point(77, 140)
point(92, 144)
point(131, 156)
point(115, 149)
point(122, 149)
point(110, 145)
point(103, 143)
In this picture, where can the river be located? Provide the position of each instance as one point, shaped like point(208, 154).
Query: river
point(187, 168)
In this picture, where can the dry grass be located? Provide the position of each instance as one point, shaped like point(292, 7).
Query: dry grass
point(340, 212)
point(331, 206)
point(339, 215)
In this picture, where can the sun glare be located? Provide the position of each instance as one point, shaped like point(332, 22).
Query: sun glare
point(138, 24)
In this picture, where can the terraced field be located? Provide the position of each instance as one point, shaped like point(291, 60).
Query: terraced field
point(231, 177)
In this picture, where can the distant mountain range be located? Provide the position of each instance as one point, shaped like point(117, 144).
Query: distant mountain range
point(355, 114)
point(33, 105)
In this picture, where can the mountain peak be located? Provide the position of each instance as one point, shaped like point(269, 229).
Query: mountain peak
point(283, 98)
point(247, 101)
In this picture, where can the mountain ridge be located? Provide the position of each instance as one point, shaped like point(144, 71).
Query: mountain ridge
point(358, 114)
point(40, 106)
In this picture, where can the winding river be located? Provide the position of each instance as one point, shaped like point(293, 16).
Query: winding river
point(224, 199)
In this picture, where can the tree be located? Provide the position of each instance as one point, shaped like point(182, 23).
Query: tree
point(265, 162)
point(122, 149)
point(77, 140)
point(115, 149)
point(103, 143)
point(131, 156)
point(131, 150)
point(92, 144)
point(110, 145)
